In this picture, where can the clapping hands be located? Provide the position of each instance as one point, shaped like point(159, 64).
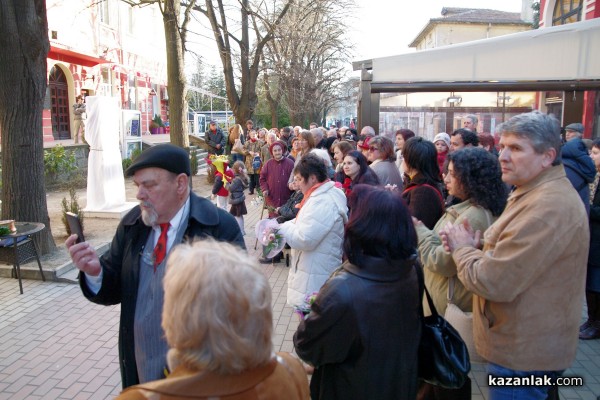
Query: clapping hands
point(460, 235)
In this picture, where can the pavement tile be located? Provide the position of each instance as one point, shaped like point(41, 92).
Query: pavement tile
point(45, 386)
point(26, 392)
point(17, 383)
point(71, 392)
point(53, 394)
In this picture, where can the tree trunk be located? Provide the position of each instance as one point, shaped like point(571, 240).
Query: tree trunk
point(23, 49)
point(270, 99)
point(176, 76)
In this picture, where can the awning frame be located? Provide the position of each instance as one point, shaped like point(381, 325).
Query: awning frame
point(563, 58)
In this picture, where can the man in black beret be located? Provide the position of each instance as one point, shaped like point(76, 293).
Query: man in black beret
point(130, 273)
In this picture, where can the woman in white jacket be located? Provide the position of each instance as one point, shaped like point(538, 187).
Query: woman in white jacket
point(316, 234)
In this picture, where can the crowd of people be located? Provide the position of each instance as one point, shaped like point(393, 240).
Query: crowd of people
point(370, 222)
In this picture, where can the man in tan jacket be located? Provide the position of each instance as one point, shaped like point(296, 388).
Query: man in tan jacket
point(529, 278)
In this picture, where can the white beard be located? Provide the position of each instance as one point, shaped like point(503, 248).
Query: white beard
point(149, 217)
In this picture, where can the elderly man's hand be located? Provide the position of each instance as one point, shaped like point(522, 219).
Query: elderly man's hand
point(461, 235)
point(84, 256)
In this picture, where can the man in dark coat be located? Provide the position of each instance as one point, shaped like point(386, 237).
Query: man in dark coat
point(131, 272)
point(579, 166)
point(215, 139)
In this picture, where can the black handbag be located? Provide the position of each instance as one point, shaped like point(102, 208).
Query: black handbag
point(443, 355)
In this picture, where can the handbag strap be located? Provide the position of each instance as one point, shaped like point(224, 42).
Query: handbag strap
point(423, 288)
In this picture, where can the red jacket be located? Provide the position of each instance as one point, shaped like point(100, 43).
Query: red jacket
point(219, 187)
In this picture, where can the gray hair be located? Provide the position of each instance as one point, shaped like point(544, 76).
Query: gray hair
point(543, 130)
point(271, 137)
point(473, 118)
point(317, 134)
point(367, 130)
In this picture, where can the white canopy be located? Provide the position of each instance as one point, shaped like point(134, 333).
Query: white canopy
point(563, 57)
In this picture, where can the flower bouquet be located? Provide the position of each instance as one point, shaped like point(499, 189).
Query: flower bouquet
point(259, 200)
point(304, 310)
point(267, 232)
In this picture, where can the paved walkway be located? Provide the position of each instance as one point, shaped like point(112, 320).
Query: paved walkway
point(57, 345)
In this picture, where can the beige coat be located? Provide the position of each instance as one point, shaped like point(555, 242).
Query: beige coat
point(438, 265)
point(282, 378)
point(530, 277)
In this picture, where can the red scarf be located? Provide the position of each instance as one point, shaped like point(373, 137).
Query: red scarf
point(308, 193)
point(347, 185)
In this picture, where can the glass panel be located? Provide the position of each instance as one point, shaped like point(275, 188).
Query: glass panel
point(428, 114)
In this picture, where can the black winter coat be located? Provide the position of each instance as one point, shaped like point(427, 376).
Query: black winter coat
point(424, 200)
point(593, 273)
point(121, 264)
point(363, 332)
point(579, 168)
point(215, 138)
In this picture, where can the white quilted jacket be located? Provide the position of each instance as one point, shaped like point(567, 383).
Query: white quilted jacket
point(315, 237)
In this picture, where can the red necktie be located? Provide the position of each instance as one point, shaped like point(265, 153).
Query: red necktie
point(160, 250)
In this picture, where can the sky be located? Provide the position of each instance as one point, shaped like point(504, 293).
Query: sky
point(386, 27)
point(378, 28)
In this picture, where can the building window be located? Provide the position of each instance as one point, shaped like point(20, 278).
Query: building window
point(130, 20)
point(104, 11)
point(566, 12)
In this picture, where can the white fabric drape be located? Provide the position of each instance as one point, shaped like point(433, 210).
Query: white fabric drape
point(105, 184)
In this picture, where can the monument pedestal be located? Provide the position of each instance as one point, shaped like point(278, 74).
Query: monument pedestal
point(117, 212)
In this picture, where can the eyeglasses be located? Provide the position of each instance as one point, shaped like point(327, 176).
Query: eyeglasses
point(373, 148)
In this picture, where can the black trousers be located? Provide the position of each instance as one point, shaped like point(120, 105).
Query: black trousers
point(593, 305)
point(253, 178)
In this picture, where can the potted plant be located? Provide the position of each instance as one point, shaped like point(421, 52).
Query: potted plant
point(153, 127)
point(157, 126)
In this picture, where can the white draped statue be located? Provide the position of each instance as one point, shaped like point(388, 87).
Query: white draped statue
point(105, 183)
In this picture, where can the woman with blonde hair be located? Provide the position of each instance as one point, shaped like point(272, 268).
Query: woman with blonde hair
point(236, 142)
point(217, 318)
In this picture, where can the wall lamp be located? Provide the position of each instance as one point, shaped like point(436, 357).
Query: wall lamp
point(454, 100)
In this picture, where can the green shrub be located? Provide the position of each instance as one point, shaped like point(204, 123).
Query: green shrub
point(158, 120)
point(194, 161)
point(71, 206)
point(126, 163)
point(135, 153)
point(58, 161)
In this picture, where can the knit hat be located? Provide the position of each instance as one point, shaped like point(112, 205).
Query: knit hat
point(164, 156)
point(577, 127)
point(444, 137)
point(277, 143)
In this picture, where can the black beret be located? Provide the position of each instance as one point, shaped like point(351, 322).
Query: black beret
point(165, 156)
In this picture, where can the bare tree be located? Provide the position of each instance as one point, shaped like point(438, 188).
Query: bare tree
point(175, 24)
point(263, 18)
point(308, 59)
point(23, 48)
